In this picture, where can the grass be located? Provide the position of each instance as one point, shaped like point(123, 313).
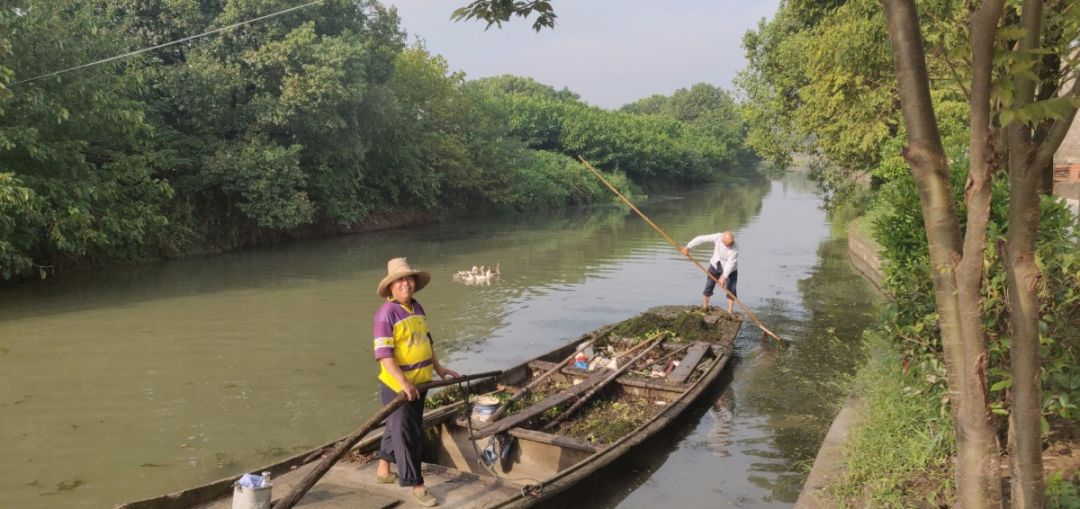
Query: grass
point(900, 446)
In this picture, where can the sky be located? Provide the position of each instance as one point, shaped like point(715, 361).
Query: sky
point(609, 52)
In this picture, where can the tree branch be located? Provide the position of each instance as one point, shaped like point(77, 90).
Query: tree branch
point(1045, 154)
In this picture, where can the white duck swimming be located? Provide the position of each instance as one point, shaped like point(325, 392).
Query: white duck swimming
point(478, 275)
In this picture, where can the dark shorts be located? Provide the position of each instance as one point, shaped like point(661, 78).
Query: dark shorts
point(710, 284)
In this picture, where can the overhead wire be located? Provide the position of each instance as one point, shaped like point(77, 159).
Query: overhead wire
point(171, 43)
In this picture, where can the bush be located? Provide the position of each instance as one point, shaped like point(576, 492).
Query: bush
point(912, 318)
point(547, 179)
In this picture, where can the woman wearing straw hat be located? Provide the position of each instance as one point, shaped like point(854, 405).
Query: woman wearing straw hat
point(403, 347)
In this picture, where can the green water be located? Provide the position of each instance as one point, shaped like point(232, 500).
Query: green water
point(122, 384)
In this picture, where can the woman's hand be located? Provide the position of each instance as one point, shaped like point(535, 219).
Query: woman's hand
point(446, 372)
point(410, 391)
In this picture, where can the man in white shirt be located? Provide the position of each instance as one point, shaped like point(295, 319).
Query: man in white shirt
point(724, 264)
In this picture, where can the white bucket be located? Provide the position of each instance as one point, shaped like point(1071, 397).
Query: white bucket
point(483, 408)
point(251, 498)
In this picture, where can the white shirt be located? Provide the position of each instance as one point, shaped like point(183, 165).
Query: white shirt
point(723, 256)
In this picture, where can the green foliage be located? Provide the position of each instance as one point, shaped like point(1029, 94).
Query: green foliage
point(266, 179)
point(770, 84)
point(495, 12)
point(1060, 493)
point(646, 147)
point(546, 179)
point(898, 454)
point(79, 170)
point(312, 120)
point(898, 227)
point(952, 115)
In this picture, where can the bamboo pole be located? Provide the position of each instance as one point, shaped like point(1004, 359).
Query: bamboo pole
point(343, 447)
point(677, 248)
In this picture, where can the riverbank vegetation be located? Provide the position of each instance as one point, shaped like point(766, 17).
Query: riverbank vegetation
point(318, 121)
point(947, 161)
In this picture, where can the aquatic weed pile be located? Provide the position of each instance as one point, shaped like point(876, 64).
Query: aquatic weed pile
point(686, 325)
point(605, 421)
point(535, 395)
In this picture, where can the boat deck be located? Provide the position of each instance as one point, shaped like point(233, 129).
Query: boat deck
point(352, 486)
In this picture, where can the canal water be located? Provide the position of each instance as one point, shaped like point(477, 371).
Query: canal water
point(121, 384)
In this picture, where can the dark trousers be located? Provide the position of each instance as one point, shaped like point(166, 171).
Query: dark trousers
point(403, 438)
point(710, 285)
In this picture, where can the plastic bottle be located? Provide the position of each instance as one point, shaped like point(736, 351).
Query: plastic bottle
point(265, 480)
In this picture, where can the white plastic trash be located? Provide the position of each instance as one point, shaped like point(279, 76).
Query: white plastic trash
point(250, 498)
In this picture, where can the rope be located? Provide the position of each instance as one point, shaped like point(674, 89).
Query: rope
point(676, 246)
point(536, 489)
point(159, 46)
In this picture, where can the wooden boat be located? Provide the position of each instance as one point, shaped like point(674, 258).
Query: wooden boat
point(531, 464)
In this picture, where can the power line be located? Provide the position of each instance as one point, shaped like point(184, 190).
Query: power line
point(178, 41)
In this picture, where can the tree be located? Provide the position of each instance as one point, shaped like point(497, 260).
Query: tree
point(78, 175)
point(957, 262)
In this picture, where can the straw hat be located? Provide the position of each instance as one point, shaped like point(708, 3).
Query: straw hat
point(398, 268)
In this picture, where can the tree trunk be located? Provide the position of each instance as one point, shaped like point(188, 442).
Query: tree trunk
point(1049, 68)
point(983, 453)
point(957, 275)
point(1024, 179)
point(1026, 414)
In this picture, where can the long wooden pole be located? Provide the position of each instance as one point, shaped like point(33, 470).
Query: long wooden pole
point(677, 248)
point(343, 447)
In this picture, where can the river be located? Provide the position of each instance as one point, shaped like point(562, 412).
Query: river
point(121, 384)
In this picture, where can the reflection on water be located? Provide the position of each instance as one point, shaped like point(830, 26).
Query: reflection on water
point(121, 384)
point(722, 414)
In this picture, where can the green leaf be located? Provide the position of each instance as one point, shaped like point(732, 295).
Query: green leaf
point(1006, 117)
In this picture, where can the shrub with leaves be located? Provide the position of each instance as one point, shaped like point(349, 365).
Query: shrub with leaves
point(912, 319)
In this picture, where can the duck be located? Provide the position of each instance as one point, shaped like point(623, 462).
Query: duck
point(478, 275)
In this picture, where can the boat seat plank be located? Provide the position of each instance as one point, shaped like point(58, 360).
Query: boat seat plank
point(689, 362)
point(527, 414)
point(548, 438)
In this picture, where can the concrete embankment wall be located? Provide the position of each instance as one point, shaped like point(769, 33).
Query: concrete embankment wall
point(863, 252)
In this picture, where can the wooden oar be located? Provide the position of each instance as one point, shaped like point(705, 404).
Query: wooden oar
point(532, 385)
point(676, 246)
point(343, 447)
point(592, 392)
